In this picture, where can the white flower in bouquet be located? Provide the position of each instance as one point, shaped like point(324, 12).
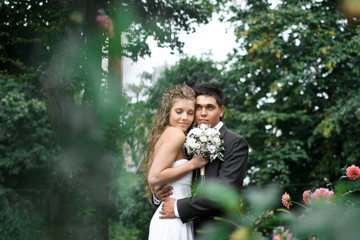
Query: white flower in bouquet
point(212, 149)
point(203, 139)
point(196, 132)
point(211, 132)
point(203, 127)
point(205, 142)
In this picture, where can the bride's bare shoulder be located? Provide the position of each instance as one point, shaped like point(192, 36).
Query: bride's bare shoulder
point(171, 138)
point(173, 133)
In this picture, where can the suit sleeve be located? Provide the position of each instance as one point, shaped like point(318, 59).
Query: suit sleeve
point(154, 200)
point(231, 171)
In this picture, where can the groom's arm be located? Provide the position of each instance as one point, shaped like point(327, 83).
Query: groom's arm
point(231, 171)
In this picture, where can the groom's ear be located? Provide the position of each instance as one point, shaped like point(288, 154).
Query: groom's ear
point(222, 109)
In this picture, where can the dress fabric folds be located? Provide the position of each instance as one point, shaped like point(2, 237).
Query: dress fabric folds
point(173, 229)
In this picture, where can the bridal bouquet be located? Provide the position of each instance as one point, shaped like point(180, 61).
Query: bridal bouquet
point(205, 142)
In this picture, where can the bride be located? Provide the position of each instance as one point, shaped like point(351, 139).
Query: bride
point(165, 159)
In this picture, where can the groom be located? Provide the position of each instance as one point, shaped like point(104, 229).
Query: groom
point(209, 110)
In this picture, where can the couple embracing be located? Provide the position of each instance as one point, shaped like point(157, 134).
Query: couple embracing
point(169, 172)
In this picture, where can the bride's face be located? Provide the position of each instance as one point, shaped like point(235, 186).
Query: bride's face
point(182, 113)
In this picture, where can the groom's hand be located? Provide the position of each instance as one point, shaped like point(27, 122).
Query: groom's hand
point(162, 193)
point(167, 210)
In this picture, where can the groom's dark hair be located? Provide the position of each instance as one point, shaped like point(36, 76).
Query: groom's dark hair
point(212, 90)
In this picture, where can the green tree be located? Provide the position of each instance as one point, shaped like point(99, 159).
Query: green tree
point(133, 131)
point(295, 84)
point(27, 153)
point(133, 211)
point(27, 141)
point(189, 71)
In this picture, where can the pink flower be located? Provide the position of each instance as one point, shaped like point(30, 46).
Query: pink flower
point(353, 172)
point(322, 192)
point(306, 196)
point(281, 234)
point(276, 237)
point(286, 200)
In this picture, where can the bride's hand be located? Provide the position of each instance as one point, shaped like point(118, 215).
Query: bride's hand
point(199, 161)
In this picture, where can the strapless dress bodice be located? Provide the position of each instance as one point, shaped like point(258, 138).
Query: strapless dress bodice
point(182, 186)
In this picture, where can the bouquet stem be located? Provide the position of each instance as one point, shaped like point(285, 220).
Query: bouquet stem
point(202, 176)
point(200, 182)
point(202, 171)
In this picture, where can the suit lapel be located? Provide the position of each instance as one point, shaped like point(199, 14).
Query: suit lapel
point(222, 131)
point(213, 167)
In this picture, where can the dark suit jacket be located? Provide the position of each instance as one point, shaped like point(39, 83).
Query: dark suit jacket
point(232, 171)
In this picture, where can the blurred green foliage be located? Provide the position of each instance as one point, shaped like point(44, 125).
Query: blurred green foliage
point(256, 214)
point(247, 216)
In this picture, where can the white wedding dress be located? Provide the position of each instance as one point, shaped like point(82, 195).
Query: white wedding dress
point(173, 228)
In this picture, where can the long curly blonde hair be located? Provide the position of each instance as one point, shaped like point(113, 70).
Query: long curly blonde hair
point(160, 121)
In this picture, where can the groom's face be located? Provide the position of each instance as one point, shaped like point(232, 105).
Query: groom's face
point(208, 111)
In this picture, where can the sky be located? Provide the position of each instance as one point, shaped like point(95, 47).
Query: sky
point(216, 38)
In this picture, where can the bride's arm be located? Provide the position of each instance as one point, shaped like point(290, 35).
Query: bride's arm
point(171, 144)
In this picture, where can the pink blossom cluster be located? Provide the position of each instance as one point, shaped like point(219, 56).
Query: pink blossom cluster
point(322, 192)
point(353, 172)
point(281, 234)
point(308, 196)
